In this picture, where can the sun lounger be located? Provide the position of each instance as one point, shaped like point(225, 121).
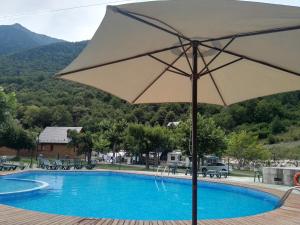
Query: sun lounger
point(8, 167)
point(66, 164)
point(48, 165)
point(58, 164)
point(77, 164)
point(21, 166)
point(91, 165)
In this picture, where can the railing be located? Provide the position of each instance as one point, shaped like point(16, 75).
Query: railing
point(162, 171)
point(287, 194)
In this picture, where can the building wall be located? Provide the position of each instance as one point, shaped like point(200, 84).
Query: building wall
point(12, 152)
point(55, 150)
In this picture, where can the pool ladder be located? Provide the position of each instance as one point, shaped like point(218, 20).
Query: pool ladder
point(162, 171)
point(287, 194)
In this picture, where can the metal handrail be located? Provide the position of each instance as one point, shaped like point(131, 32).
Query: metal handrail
point(287, 194)
point(156, 174)
point(162, 172)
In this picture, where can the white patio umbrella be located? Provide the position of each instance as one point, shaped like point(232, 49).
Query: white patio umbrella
point(210, 51)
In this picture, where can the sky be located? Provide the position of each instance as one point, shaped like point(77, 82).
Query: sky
point(71, 20)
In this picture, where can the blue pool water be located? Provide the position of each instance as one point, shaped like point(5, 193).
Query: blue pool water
point(126, 196)
point(15, 185)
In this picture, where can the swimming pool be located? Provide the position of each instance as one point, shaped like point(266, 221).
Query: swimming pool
point(138, 197)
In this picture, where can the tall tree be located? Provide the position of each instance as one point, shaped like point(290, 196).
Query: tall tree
point(210, 137)
point(144, 139)
point(245, 147)
point(115, 134)
point(82, 141)
point(15, 137)
point(8, 105)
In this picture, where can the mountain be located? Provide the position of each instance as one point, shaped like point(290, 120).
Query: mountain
point(15, 38)
point(46, 60)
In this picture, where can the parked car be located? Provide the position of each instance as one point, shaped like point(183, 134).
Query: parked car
point(215, 166)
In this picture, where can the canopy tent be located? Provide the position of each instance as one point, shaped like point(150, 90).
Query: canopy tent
point(229, 50)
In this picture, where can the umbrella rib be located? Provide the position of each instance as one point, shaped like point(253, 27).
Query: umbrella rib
point(212, 78)
point(173, 71)
point(220, 67)
point(217, 55)
point(159, 76)
point(163, 62)
point(158, 20)
point(253, 60)
point(133, 16)
point(187, 58)
point(254, 33)
point(121, 60)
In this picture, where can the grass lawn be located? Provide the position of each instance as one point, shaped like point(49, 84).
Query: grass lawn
point(123, 167)
point(242, 173)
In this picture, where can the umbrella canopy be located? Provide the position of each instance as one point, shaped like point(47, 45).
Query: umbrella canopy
point(129, 53)
point(210, 51)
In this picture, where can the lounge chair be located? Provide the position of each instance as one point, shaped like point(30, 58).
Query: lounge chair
point(40, 163)
point(77, 164)
point(66, 164)
point(7, 166)
point(58, 164)
point(48, 165)
point(91, 165)
point(22, 166)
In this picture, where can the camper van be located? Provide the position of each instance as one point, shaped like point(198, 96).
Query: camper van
point(176, 158)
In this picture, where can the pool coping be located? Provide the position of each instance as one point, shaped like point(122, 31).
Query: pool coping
point(289, 213)
point(41, 185)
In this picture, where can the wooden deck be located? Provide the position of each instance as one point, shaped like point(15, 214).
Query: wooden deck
point(288, 214)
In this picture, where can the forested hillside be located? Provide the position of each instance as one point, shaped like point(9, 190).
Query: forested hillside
point(44, 100)
point(14, 38)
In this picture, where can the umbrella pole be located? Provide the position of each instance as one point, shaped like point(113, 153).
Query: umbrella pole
point(194, 132)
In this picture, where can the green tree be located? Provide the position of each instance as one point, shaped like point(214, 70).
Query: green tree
point(277, 126)
point(61, 116)
point(210, 137)
point(245, 147)
point(144, 139)
point(135, 138)
point(15, 137)
point(82, 141)
point(265, 110)
point(8, 105)
point(101, 143)
point(114, 134)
